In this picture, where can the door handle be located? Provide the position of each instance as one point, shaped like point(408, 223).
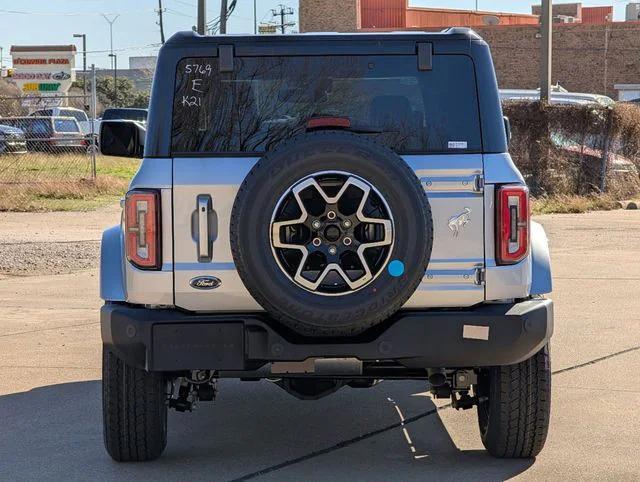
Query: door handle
point(204, 206)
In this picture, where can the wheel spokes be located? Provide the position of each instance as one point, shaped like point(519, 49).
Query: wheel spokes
point(343, 224)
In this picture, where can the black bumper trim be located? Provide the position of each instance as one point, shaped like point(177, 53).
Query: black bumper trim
point(171, 340)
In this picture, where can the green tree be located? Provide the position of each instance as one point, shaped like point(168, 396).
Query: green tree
point(128, 95)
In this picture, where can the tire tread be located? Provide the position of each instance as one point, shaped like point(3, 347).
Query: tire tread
point(519, 408)
point(134, 411)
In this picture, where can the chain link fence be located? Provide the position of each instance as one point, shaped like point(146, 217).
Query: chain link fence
point(49, 156)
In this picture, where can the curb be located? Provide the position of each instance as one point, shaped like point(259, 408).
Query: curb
point(629, 204)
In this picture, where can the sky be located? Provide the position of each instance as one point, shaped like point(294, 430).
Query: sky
point(135, 31)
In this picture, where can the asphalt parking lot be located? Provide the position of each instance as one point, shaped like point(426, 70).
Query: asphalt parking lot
point(50, 414)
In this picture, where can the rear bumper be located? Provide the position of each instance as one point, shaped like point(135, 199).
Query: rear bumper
point(171, 340)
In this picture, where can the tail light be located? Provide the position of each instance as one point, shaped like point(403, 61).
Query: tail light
point(512, 244)
point(142, 229)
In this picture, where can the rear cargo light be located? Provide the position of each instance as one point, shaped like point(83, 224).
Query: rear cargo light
point(512, 222)
point(328, 122)
point(142, 228)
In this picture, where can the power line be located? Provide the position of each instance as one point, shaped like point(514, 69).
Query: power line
point(70, 14)
point(180, 14)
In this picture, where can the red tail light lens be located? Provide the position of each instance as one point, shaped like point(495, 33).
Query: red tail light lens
point(512, 218)
point(328, 122)
point(142, 229)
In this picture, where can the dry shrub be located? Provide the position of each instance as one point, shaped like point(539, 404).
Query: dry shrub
point(561, 204)
point(576, 149)
point(73, 194)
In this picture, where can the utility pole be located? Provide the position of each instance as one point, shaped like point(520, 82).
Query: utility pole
point(111, 22)
point(160, 11)
point(83, 36)
point(283, 12)
point(546, 30)
point(115, 79)
point(223, 16)
point(202, 16)
point(255, 17)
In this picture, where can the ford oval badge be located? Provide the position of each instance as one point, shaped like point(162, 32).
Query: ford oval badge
point(205, 283)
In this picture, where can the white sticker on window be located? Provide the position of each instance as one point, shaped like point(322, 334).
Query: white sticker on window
point(457, 144)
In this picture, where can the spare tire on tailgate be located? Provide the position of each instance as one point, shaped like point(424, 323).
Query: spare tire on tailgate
point(331, 233)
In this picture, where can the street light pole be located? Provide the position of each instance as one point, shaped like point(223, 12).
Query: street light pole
point(114, 57)
point(83, 36)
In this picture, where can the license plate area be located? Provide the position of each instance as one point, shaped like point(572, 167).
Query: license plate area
point(217, 346)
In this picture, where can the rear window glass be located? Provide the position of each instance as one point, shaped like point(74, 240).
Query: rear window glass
point(269, 99)
point(139, 115)
point(76, 114)
point(65, 125)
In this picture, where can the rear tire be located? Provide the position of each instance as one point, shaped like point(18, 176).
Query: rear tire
point(134, 411)
point(514, 407)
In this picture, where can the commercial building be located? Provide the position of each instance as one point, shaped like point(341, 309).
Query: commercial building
point(143, 62)
point(591, 52)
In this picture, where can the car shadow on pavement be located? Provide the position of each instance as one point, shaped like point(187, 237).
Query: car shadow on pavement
point(254, 429)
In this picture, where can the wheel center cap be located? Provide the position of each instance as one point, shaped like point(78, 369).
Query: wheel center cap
point(332, 233)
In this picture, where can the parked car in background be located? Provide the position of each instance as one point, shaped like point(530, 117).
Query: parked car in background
point(556, 97)
point(78, 114)
point(12, 140)
point(117, 113)
point(50, 134)
point(588, 152)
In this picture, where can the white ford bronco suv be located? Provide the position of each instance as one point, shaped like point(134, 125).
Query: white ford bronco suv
point(324, 211)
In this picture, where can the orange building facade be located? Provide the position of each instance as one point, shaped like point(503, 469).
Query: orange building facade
point(389, 14)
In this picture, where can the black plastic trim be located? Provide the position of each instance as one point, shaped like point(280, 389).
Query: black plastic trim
point(225, 62)
point(425, 56)
point(172, 340)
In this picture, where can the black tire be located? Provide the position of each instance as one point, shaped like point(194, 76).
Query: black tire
point(134, 411)
point(306, 312)
point(514, 407)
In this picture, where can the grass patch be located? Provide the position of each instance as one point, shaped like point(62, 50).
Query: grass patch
point(562, 204)
point(63, 182)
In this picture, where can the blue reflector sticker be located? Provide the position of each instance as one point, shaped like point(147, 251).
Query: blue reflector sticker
point(396, 268)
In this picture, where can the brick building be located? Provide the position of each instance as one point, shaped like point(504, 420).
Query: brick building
point(591, 53)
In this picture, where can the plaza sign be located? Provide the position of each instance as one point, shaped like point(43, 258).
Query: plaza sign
point(43, 70)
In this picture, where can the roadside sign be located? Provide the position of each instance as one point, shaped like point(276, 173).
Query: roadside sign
point(41, 102)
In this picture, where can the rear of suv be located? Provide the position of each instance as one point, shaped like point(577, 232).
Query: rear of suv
point(324, 211)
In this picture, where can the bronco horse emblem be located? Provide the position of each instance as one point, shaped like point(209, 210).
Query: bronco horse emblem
point(456, 223)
